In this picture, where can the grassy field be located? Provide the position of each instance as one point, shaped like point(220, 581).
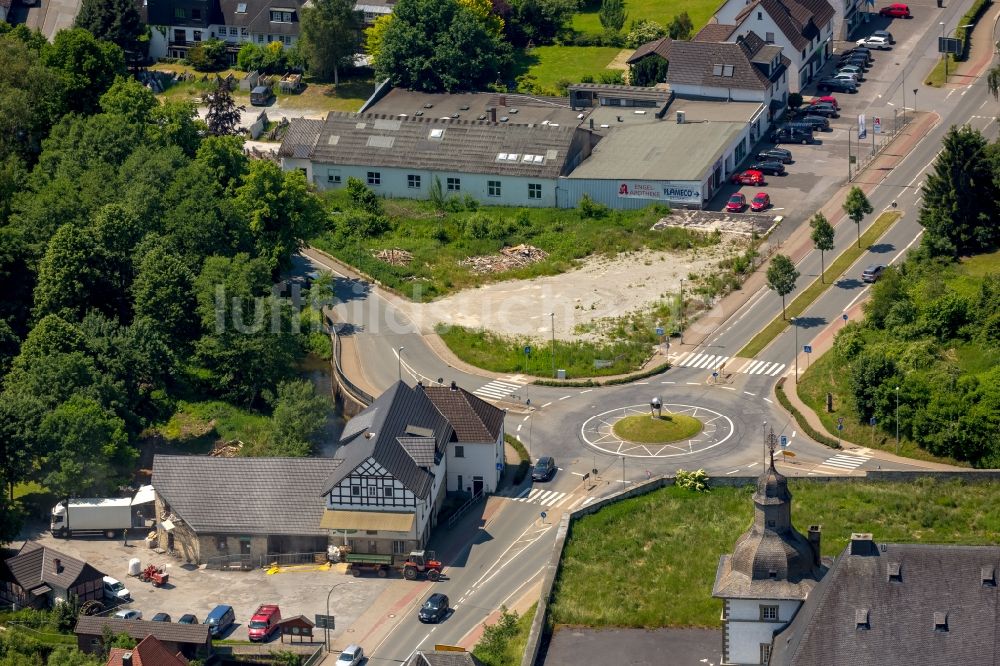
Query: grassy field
point(508, 649)
point(647, 430)
point(816, 289)
point(656, 555)
point(552, 64)
point(196, 426)
point(700, 11)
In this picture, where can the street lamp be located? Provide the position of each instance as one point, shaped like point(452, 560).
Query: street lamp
point(623, 472)
point(326, 624)
point(765, 443)
point(795, 325)
point(914, 101)
point(655, 405)
point(897, 420)
point(552, 325)
point(682, 311)
point(945, 54)
point(399, 362)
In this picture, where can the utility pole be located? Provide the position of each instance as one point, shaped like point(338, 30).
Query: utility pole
point(897, 420)
point(552, 319)
point(681, 313)
point(795, 325)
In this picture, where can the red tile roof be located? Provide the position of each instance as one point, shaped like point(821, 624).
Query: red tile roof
point(149, 652)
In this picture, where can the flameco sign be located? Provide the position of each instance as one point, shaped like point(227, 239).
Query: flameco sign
point(661, 191)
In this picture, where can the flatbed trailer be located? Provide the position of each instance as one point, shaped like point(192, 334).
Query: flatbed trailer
point(410, 566)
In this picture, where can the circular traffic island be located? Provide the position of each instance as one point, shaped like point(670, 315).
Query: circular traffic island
point(646, 429)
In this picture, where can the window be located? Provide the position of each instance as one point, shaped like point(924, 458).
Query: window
point(716, 70)
point(179, 13)
point(241, 8)
point(356, 491)
point(234, 31)
point(222, 543)
point(769, 37)
point(413, 181)
point(197, 35)
point(454, 184)
point(244, 32)
point(765, 653)
point(195, 14)
point(372, 532)
point(372, 491)
point(769, 613)
point(803, 53)
point(760, 16)
point(493, 188)
point(727, 70)
point(459, 451)
point(260, 39)
point(399, 547)
point(372, 546)
point(374, 177)
point(280, 17)
point(459, 483)
point(333, 176)
point(534, 190)
point(387, 491)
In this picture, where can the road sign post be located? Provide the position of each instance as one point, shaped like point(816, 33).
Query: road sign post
point(840, 429)
point(808, 351)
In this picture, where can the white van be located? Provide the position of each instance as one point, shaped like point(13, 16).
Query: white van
point(114, 590)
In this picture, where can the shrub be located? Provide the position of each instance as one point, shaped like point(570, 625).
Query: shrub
point(614, 77)
point(642, 32)
point(696, 481)
point(209, 56)
point(592, 209)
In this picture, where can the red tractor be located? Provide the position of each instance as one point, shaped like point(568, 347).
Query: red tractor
point(155, 575)
point(422, 562)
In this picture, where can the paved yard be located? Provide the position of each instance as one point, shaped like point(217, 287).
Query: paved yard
point(570, 646)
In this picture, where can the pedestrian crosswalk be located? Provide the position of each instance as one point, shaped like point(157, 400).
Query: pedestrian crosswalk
point(717, 362)
point(499, 389)
point(704, 361)
point(553, 499)
point(753, 367)
point(843, 462)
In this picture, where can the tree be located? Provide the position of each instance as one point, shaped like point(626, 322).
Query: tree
point(961, 195)
point(223, 115)
point(857, 206)
point(163, 293)
point(32, 98)
point(649, 71)
point(330, 35)
point(208, 56)
point(612, 15)
point(781, 277)
point(116, 21)
point(223, 157)
point(440, 45)
point(794, 100)
point(642, 32)
point(299, 415)
point(822, 238)
point(129, 99)
point(70, 279)
point(680, 26)
point(993, 78)
point(89, 66)
point(539, 21)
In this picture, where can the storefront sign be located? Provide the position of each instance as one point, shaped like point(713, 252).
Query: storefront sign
point(661, 191)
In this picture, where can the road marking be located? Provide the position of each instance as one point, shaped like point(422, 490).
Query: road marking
point(526, 418)
point(519, 427)
point(565, 397)
point(693, 383)
point(751, 464)
point(728, 388)
point(793, 433)
point(732, 472)
point(749, 393)
point(668, 382)
point(497, 389)
point(545, 405)
point(640, 383)
point(577, 473)
point(587, 391)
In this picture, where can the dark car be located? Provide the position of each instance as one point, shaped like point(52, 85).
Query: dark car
point(161, 617)
point(822, 109)
point(838, 85)
point(855, 50)
point(781, 154)
point(187, 618)
point(853, 61)
point(816, 122)
point(434, 609)
point(544, 469)
point(791, 135)
point(864, 56)
point(872, 273)
point(773, 167)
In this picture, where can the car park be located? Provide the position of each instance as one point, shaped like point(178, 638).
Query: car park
point(858, 72)
point(352, 655)
point(760, 202)
point(825, 99)
point(545, 469)
point(873, 42)
point(130, 614)
point(872, 273)
point(161, 617)
point(825, 110)
point(838, 85)
point(792, 135)
point(220, 619)
point(434, 609)
point(885, 34)
point(772, 167)
point(748, 177)
point(781, 154)
point(896, 10)
point(736, 203)
point(187, 618)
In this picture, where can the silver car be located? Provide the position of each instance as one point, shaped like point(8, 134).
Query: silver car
point(352, 655)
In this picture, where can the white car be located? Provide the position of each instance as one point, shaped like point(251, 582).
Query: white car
point(352, 655)
point(130, 614)
point(873, 42)
point(115, 591)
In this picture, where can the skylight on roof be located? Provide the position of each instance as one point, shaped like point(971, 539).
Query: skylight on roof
point(538, 159)
point(501, 157)
point(512, 157)
point(528, 158)
point(436, 133)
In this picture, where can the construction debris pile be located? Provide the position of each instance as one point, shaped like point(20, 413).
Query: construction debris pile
point(230, 449)
point(394, 257)
point(508, 259)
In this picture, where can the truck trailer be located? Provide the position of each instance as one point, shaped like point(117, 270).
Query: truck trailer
point(108, 515)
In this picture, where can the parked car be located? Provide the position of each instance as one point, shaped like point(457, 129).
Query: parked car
point(859, 50)
point(873, 42)
point(838, 85)
point(748, 177)
point(434, 609)
point(896, 10)
point(858, 60)
point(187, 618)
point(826, 99)
point(772, 167)
point(810, 124)
point(545, 469)
point(872, 273)
point(792, 135)
point(220, 619)
point(858, 72)
point(760, 202)
point(885, 34)
point(264, 621)
point(736, 203)
point(352, 655)
point(261, 96)
point(845, 76)
point(782, 154)
point(161, 617)
point(114, 590)
point(825, 110)
point(129, 614)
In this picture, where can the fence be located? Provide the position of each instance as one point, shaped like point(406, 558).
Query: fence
point(868, 152)
point(355, 392)
point(230, 562)
point(462, 510)
point(289, 559)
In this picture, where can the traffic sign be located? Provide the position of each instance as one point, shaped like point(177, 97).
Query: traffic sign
point(949, 45)
point(807, 349)
point(877, 125)
point(325, 621)
point(840, 426)
point(527, 350)
point(499, 467)
point(784, 441)
point(871, 421)
point(862, 132)
point(659, 330)
point(844, 316)
point(544, 515)
point(715, 374)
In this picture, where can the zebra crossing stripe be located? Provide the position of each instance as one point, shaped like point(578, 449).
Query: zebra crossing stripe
point(844, 462)
point(588, 501)
point(691, 362)
point(777, 370)
point(496, 389)
point(707, 362)
point(561, 500)
point(753, 367)
point(747, 364)
point(682, 359)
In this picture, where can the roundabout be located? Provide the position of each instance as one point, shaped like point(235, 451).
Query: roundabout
point(631, 431)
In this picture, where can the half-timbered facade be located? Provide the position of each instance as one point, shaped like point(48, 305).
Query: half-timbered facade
point(39, 577)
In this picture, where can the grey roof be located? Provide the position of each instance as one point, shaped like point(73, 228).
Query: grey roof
point(519, 109)
point(458, 146)
point(709, 63)
point(257, 17)
point(658, 93)
point(935, 579)
point(473, 419)
point(246, 495)
point(195, 634)
point(714, 32)
point(301, 138)
point(422, 450)
point(442, 658)
point(799, 20)
point(659, 47)
point(34, 566)
point(396, 414)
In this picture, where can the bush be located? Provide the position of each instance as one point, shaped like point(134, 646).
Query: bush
point(208, 56)
point(696, 481)
point(270, 59)
point(615, 77)
point(592, 209)
point(643, 32)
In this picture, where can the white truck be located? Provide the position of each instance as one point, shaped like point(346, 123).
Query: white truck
point(110, 515)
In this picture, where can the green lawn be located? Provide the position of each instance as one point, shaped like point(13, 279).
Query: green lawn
point(700, 11)
point(647, 430)
point(507, 649)
point(552, 64)
point(650, 561)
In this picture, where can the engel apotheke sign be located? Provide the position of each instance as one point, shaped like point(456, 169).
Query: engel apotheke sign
point(660, 191)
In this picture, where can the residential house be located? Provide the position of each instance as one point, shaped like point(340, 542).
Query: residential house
point(39, 577)
point(802, 28)
point(177, 25)
point(149, 652)
point(192, 641)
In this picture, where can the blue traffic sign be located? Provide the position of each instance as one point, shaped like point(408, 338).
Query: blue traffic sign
point(715, 374)
point(544, 515)
point(784, 441)
point(659, 330)
point(845, 316)
point(871, 421)
point(807, 349)
point(499, 467)
point(527, 350)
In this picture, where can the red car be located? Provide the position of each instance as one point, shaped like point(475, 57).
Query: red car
point(760, 202)
point(736, 203)
point(749, 177)
point(895, 10)
point(264, 622)
point(826, 99)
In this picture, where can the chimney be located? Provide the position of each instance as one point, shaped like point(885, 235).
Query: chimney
point(127, 658)
point(493, 114)
point(454, 386)
point(57, 563)
point(681, 117)
point(814, 534)
point(503, 100)
point(862, 544)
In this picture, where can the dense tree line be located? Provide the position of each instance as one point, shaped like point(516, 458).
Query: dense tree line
point(126, 232)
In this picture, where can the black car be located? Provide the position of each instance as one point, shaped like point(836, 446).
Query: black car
point(187, 618)
point(816, 122)
point(823, 109)
point(544, 469)
point(792, 135)
point(772, 167)
point(857, 61)
point(161, 617)
point(837, 85)
point(434, 609)
point(781, 154)
point(862, 50)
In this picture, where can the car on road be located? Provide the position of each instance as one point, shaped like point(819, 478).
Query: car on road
point(792, 135)
point(352, 655)
point(885, 34)
point(896, 10)
point(434, 609)
point(748, 177)
point(545, 469)
point(736, 203)
point(161, 617)
point(772, 167)
point(825, 110)
point(858, 72)
point(873, 42)
point(838, 85)
point(782, 154)
point(187, 618)
point(760, 202)
point(872, 273)
point(130, 614)
point(825, 99)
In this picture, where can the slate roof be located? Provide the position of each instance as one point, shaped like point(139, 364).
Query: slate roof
point(192, 634)
point(257, 17)
point(799, 20)
point(34, 566)
point(149, 652)
point(245, 495)
point(901, 614)
point(473, 419)
point(421, 449)
point(301, 138)
point(660, 47)
point(714, 32)
point(458, 146)
point(695, 63)
point(395, 413)
point(443, 658)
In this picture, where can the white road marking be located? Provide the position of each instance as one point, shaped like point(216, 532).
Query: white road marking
point(545, 405)
point(769, 400)
point(749, 393)
point(497, 389)
point(565, 397)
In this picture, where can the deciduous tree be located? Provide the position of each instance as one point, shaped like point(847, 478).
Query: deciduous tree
point(680, 26)
point(612, 15)
point(116, 21)
point(299, 415)
point(89, 66)
point(822, 238)
point(330, 36)
point(781, 277)
point(223, 114)
point(70, 279)
point(857, 206)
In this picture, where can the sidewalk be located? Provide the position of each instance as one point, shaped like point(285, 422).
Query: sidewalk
point(984, 37)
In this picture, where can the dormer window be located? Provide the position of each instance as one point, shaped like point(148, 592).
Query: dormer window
point(241, 8)
point(989, 576)
point(281, 16)
point(894, 572)
point(940, 621)
point(861, 618)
